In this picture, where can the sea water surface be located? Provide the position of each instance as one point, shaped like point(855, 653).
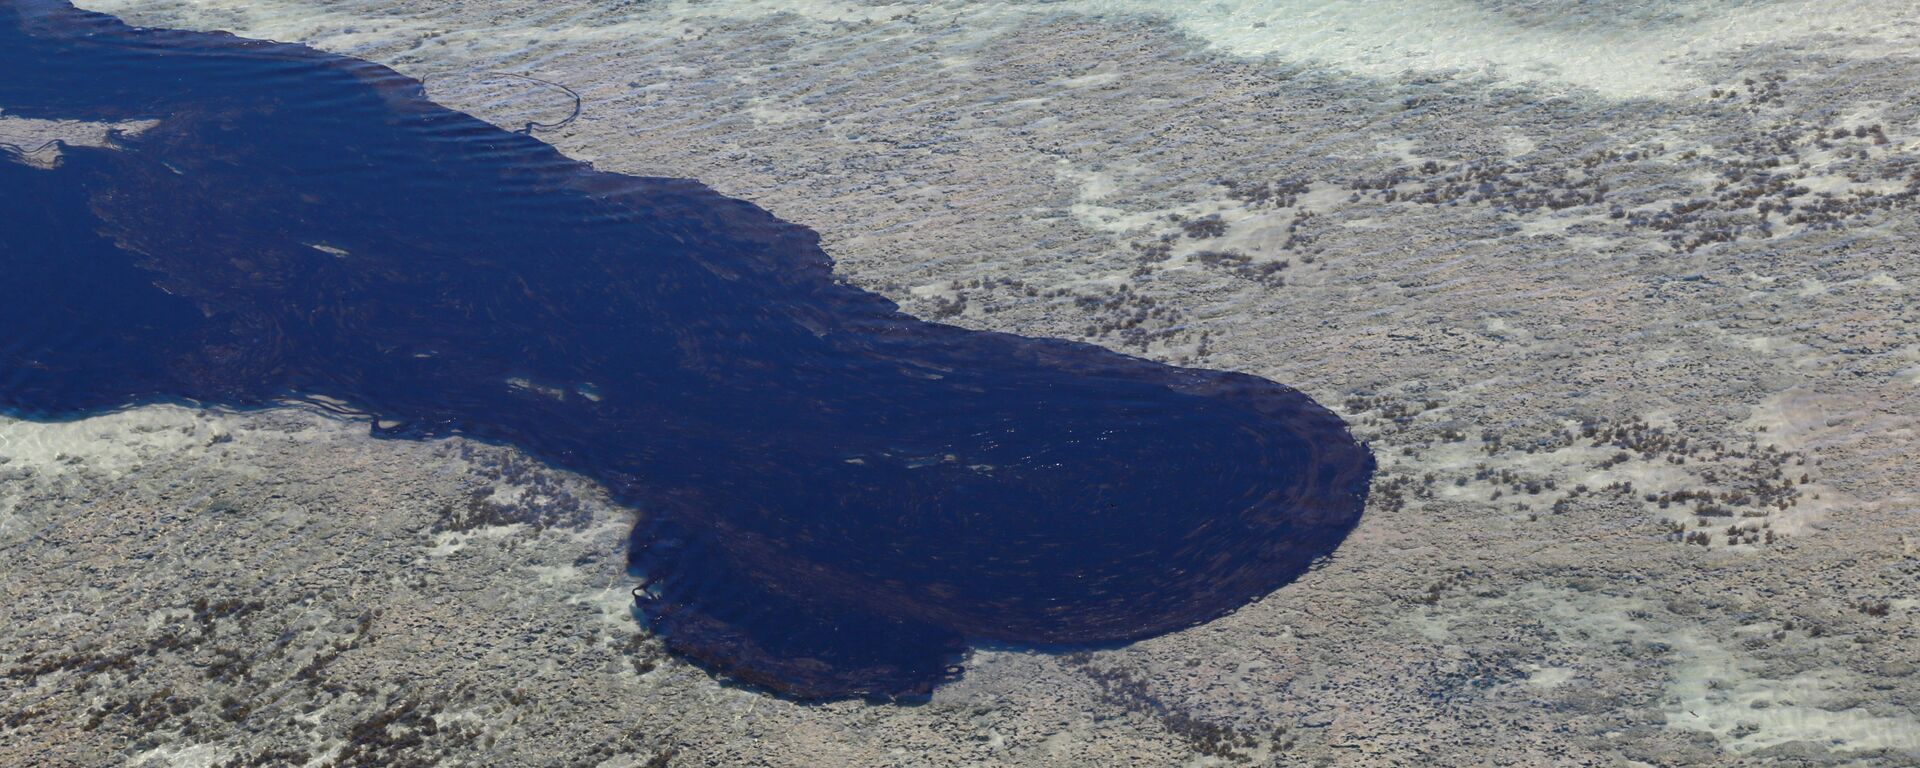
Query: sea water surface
point(835, 498)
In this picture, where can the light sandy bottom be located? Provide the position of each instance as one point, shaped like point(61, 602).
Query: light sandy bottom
point(37, 142)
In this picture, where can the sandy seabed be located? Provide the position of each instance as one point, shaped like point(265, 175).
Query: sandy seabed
point(1624, 309)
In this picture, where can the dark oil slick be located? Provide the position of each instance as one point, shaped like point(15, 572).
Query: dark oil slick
point(837, 498)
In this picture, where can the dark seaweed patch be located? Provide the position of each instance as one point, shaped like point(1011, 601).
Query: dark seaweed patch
point(836, 498)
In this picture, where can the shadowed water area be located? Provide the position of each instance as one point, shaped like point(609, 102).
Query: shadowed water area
point(835, 498)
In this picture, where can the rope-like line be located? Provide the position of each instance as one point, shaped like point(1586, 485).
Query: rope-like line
point(23, 151)
point(577, 102)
